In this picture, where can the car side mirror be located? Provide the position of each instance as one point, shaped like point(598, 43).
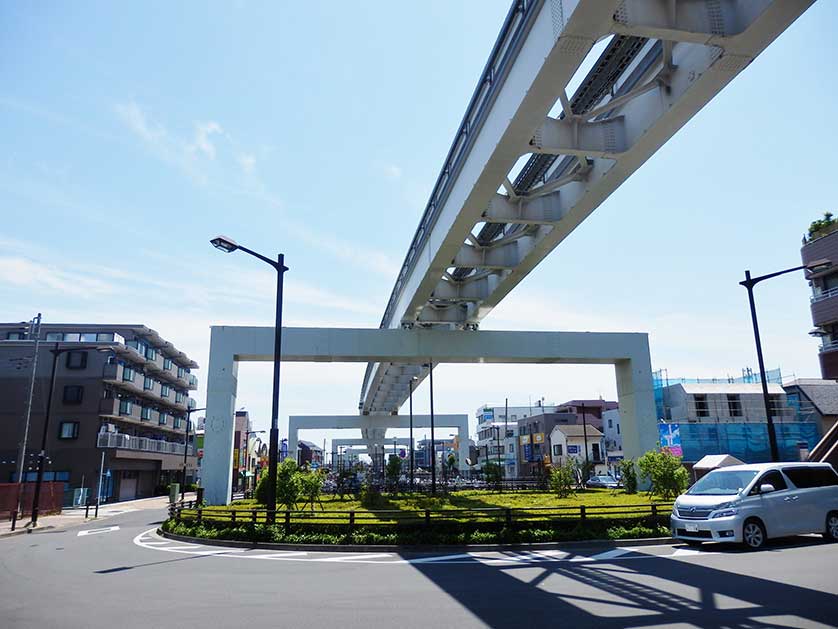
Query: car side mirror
point(766, 488)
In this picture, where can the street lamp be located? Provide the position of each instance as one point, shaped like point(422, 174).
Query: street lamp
point(228, 245)
point(186, 449)
point(42, 455)
point(412, 380)
point(749, 283)
point(433, 442)
point(247, 434)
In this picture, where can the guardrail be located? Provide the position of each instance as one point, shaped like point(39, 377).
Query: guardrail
point(832, 292)
point(347, 521)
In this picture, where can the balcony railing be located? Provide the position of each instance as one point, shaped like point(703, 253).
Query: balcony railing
point(828, 346)
point(143, 444)
point(827, 294)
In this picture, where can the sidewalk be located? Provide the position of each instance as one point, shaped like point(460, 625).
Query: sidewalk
point(75, 515)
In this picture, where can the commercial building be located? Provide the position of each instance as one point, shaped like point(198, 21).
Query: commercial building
point(128, 402)
point(821, 243)
point(309, 453)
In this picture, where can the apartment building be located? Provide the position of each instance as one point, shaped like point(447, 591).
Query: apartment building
point(820, 244)
point(121, 390)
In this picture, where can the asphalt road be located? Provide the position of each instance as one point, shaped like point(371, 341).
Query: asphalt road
point(127, 577)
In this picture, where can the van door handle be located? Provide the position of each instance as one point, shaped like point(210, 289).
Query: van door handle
point(790, 498)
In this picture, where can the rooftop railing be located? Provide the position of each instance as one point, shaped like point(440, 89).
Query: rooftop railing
point(143, 444)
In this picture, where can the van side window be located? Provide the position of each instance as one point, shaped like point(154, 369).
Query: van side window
point(804, 477)
point(770, 478)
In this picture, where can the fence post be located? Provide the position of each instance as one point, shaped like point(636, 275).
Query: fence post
point(351, 521)
point(287, 521)
point(427, 517)
point(14, 517)
point(233, 516)
point(582, 513)
point(199, 515)
point(253, 516)
point(654, 514)
point(508, 515)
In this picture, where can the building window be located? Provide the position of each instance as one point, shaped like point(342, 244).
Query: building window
point(164, 390)
point(127, 374)
point(610, 423)
point(701, 407)
point(76, 360)
point(88, 337)
point(106, 337)
point(145, 413)
point(618, 429)
point(73, 394)
point(179, 397)
point(163, 419)
point(68, 430)
point(734, 405)
point(55, 336)
point(181, 372)
point(148, 383)
point(511, 448)
point(167, 364)
point(15, 336)
point(72, 337)
point(775, 403)
point(151, 353)
point(557, 450)
point(125, 407)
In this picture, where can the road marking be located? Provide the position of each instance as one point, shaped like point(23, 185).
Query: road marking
point(151, 541)
point(95, 531)
point(364, 557)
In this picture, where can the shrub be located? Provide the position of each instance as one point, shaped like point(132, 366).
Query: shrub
point(664, 471)
point(393, 470)
point(311, 486)
point(493, 473)
point(628, 474)
point(287, 485)
point(563, 479)
point(370, 496)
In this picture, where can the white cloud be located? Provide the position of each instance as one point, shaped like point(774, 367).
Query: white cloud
point(46, 278)
point(247, 162)
point(202, 142)
point(392, 171)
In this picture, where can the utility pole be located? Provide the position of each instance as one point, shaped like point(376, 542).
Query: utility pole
point(585, 436)
point(34, 330)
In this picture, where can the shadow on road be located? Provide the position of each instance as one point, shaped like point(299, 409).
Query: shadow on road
point(644, 591)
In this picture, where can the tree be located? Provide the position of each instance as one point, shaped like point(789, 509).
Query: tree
point(493, 473)
point(393, 471)
point(563, 479)
point(287, 485)
point(664, 471)
point(311, 486)
point(628, 474)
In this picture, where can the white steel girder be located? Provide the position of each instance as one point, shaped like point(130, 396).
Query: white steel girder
point(705, 44)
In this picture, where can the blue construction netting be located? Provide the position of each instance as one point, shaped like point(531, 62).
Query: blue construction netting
point(746, 441)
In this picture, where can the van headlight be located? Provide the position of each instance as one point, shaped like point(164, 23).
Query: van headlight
point(725, 510)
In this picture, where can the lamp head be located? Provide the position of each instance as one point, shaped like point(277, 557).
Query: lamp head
point(816, 266)
point(226, 244)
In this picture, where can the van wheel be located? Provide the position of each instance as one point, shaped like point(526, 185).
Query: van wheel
point(753, 534)
point(831, 532)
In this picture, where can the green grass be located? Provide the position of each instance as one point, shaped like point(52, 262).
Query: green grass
point(410, 508)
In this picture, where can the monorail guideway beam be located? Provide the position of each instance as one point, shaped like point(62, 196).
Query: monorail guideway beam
point(480, 235)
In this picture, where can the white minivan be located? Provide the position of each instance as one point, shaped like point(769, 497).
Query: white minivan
point(751, 503)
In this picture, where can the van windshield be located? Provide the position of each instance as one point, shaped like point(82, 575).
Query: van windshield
point(722, 483)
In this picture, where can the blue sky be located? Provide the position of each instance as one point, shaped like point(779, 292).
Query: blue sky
point(132, 134)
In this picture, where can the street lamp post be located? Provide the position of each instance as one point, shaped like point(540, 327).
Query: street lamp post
point(412, 380)
point(247, 434)
point(42, 455)
point(749, 283)
point(433, 442)
point(186, 449)
point(229, 245)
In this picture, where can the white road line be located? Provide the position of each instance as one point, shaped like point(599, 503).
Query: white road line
point(611, 554)
point(96, 531)
point(441, 559)
point(276, 556)
point(355, 557)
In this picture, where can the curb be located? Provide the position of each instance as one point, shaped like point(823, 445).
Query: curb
point(352, 548)
point(24, 531)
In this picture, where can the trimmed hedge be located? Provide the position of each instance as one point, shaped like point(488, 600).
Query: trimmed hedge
point(590, 530)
